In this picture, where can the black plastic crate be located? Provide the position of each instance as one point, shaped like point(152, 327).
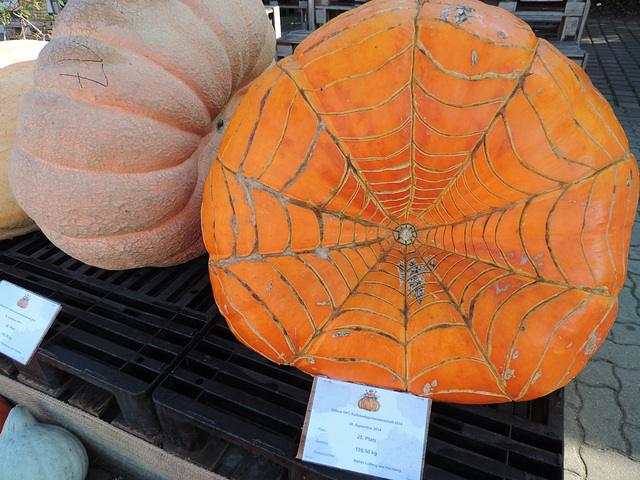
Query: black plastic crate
point(120, 331)
point(153, 338)
point(182, 288)
point(223, 390)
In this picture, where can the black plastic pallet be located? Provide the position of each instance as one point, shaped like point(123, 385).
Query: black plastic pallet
point(154, 339)
point(183, 288)
point(120, 331)
point(221, 389)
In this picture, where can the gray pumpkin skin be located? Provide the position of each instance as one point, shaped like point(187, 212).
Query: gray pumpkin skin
point(31, 450)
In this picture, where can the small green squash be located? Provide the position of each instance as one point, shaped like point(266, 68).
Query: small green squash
point(30, 450)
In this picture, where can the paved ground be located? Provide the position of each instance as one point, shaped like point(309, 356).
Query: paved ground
point(602, 409)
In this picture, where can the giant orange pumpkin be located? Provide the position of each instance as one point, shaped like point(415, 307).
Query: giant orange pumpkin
point(105, 160)
point(424, 197)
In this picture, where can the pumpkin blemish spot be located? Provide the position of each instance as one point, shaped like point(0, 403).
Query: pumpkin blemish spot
point(591, 345)
point(341, 334)
point(416, 278)
point(428, 388)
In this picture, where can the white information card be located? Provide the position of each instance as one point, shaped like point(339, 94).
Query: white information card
point(366, 429)
point(24, 319)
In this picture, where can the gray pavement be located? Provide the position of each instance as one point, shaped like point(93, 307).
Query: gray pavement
point(602, 404)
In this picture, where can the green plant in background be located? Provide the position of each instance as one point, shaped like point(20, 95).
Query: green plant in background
point(22, 11)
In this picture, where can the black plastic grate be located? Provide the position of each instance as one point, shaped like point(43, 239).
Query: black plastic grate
point(183, 288)
point(122, 331)
point(154, 339)
point(223, 389)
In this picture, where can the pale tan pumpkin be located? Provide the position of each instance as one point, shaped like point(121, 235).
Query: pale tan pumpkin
point(124, 94)
point(17, 58)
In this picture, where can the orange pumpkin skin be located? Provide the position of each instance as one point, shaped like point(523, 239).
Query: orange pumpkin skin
point(423, 197)
point(124, 94)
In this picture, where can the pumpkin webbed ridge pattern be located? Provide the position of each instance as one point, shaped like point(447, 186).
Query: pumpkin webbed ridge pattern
point(427, 254)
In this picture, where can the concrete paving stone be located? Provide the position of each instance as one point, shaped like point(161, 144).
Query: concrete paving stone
point(624, 333)
point(632, 434)
point(631, 321)
point(627, 315)
point(569, 475)
point(573, 463)
point(573, 434)
point(629, 286)
point(623, 355)
point(605, 464)
point(629, 394)
point(598, 373)
point(634, 251)
point(633, 264)
point(571, 399)
point(600, 417)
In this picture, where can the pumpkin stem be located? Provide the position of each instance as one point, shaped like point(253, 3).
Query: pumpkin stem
point(19, 418)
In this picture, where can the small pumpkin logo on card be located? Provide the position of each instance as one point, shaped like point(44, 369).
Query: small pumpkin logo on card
point(24, 301)
point(369, 401)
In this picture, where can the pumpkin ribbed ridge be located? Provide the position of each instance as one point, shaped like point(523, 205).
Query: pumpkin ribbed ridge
point(17, 60)
point(423, 197)
point(124, 93)
point(30, 450)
